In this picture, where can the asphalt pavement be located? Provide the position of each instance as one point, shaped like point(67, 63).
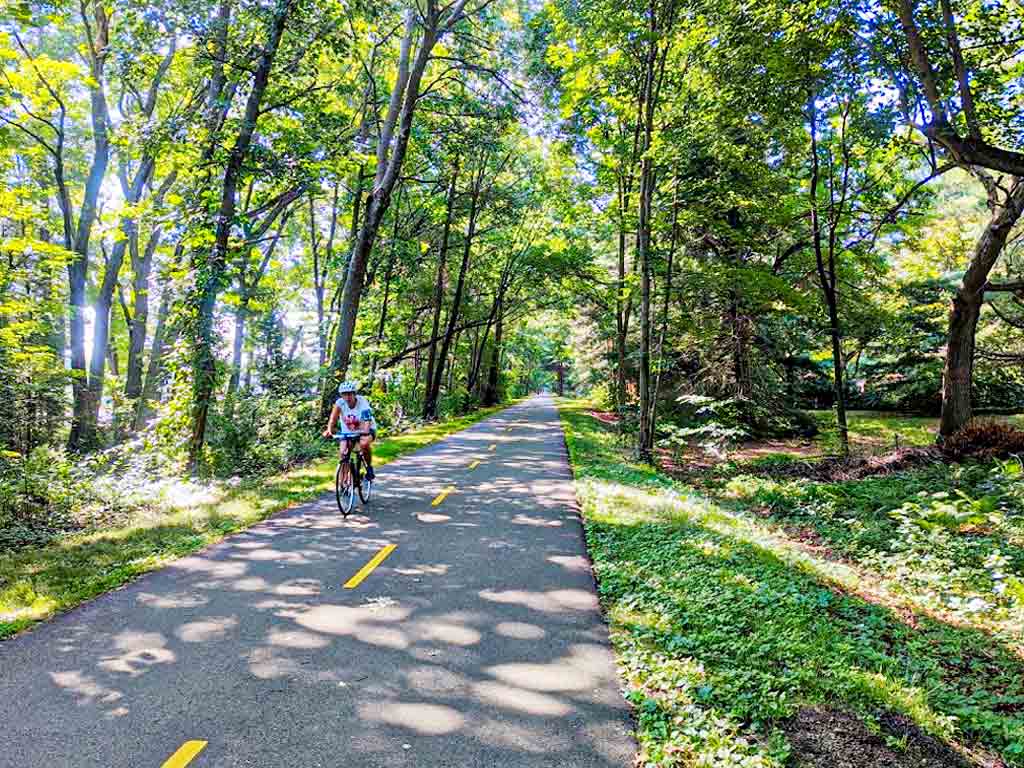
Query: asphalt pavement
point(469, 634)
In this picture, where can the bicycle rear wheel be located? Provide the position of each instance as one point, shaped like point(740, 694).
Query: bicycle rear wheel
point(345, 493)
point(364, 484)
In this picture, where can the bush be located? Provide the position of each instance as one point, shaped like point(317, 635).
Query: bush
point(603, 395)
point(265, 433)
point(40, 495)
point(987, 438)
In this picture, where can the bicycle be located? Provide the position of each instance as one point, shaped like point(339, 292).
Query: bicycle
point(347, 484)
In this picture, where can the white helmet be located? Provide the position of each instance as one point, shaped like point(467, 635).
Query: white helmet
point(347, 386)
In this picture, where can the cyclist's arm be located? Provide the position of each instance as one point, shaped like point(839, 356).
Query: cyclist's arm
point(332, 421)
point(365, 415)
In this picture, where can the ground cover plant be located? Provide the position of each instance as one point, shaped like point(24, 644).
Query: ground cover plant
point(742, 645)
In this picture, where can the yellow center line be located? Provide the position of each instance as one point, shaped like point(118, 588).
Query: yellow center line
point(475, 464)
point(442, 495)
point(493, 446)
point(367, 569)
point(185, 753)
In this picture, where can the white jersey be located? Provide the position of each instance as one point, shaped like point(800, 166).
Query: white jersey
point(352, 417)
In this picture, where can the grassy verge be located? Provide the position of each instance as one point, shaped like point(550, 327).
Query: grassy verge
point(742, 644)
point(36, 583)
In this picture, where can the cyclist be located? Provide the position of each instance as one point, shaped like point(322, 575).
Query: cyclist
point(356, 415)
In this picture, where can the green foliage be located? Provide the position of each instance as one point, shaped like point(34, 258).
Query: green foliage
point(725, 622)
point(39, 495)
point(262, 434)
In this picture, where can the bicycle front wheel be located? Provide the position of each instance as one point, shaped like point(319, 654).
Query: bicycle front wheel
point(362, 482)
point(344, 490)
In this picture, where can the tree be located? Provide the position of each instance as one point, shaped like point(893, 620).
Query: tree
point(392, 145)
point(952, 90)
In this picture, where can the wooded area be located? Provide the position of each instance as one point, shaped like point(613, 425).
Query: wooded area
point(713, 219)
point(214, 211)
point(211, 206)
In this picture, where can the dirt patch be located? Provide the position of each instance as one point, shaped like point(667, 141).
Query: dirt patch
point(857, 468)
point(605, 417)
point(804, 449)
point(826, 738)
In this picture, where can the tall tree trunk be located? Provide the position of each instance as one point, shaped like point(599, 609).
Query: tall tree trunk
point(156, 370)
point(429, 407)
point(142, 266)
point(645, 438)
point(320, 272)
point(142, 260)
point(434, 390)
point(473, 382)
point(958, 373)
point(492, 393)
point(139, 319)
point(388, 273)
point(623, 309)
point(210, 275)
point(236, 348)
point(401, 112)
point(828, 281)
point(78, 269)
point(100, 341)
point(667, 300)
point(104, 299)
point(401, 108)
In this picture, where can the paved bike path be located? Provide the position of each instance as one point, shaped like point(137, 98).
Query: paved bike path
point(477, 642)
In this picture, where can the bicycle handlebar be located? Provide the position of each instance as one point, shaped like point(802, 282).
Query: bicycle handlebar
point(348, 435)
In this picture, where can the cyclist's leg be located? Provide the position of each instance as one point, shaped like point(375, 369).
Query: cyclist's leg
point(344, 448)
point(366, 448)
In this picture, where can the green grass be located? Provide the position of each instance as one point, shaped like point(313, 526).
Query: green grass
point(725, 623)
point(36, 583)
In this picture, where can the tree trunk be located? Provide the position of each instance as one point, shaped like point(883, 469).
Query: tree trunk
point(622, 312)
point(142, 264)
point(140, 319)
point(473, 383)
point(93, 394)
point(388, 274)
point(430, 406)
point(433, 392)
point(645, 438)
point(211, 274)
point(828, 280)
point(958, 373)
point(156, 370)
point(401, 111)
point(667, 300)
point(404, 95)
point(492, 393)
point(78, 269)
point(236, 349)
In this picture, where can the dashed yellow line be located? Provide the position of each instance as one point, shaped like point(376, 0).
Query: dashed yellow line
point(475, 464)
point(442, 495)
point(367, 569)
point(186, 752)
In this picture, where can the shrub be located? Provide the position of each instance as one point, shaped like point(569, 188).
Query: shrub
point(39, 496)
point(264, 433)
point(985, 437)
